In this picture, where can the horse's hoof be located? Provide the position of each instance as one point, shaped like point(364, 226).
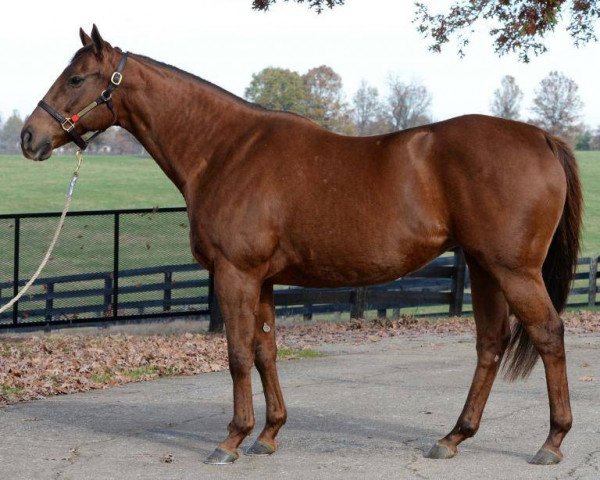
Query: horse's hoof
point(259, 448)
point(545, 457)
point(221, 457)
point(441, 451)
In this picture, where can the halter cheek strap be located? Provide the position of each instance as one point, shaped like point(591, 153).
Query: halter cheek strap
point(68, 123)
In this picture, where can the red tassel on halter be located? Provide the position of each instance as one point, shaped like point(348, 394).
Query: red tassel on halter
point(75, 118)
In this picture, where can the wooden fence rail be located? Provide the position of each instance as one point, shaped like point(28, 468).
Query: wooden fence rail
point(187, 290)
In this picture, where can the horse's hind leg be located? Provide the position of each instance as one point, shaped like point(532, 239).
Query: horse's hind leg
point(493, 333)
point(265, 361)
point(529, 300)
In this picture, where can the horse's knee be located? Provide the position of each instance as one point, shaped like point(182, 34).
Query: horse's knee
point(265, 355)
point(240, 362)
point(548, 337)
point(490, 352)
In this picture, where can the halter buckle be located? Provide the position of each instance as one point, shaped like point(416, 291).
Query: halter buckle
point(67, 125)
point(106, 95)
point(116, 79)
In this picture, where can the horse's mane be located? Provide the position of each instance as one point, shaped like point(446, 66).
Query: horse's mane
point(197, 79)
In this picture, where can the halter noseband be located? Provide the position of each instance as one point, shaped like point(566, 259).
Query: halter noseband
point(68, 124)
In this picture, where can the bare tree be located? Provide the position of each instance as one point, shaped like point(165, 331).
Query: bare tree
point(409, 103)
point(507, 99)
point(557, 106)
point(369, 115)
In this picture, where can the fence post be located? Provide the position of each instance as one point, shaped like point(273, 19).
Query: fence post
point(49, 301)
point(359, 303)
point(592, 281)
point(108, 292)
point(115, 285)
point(216, 319)
point(16, 268)
point(307, 314)
point(168, 291)
point(458, 283)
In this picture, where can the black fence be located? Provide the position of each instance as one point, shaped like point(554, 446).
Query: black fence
point(112, 265)
point(132, 265)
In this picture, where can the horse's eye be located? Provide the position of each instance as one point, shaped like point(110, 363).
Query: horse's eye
point(76, 81)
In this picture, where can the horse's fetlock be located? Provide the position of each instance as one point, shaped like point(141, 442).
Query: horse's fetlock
point(466, 428)
point(243, 426)
point(562, 423)
point(278, 417)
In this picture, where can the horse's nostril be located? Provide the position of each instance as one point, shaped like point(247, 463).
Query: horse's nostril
point(26, 137)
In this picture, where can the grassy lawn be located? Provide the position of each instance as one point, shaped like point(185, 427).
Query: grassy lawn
point(589, 165)
point(106, 182)
point(86, 243)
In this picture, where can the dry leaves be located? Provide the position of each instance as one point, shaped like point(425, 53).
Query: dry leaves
point(43, 365)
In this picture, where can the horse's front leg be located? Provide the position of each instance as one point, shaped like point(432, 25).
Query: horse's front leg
point(266, 358)
point(238, 292)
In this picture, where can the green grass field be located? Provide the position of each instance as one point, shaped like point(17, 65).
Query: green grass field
point(130, 182)
point(106, 182)
point(589, 166)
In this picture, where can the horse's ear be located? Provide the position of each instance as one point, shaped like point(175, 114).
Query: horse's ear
point(97, 40)
point(85, 38)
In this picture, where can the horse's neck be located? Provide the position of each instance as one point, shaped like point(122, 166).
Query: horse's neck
point(183, 122)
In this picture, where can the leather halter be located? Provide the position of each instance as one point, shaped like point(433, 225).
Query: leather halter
point(68, 123)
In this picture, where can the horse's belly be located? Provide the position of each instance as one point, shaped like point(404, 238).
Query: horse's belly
point(341, 268)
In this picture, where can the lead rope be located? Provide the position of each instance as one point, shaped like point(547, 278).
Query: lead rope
point(69, 196)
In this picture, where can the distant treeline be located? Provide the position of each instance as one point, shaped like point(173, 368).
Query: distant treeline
point(318, 94)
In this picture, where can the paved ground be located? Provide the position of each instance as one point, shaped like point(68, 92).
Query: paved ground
point(356, 413)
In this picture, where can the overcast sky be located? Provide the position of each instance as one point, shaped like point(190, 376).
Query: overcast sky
point(225, 41)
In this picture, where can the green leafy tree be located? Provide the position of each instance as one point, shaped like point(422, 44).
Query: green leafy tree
point(557, 106)
point(278, 89)
point(506, 102)
point(10, 135)
point(583, 140)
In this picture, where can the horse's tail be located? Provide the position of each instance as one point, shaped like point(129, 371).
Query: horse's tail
point(559, 265)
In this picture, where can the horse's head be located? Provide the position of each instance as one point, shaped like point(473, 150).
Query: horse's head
point(78, 85)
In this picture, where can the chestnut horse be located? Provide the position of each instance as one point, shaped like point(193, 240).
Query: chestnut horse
point(273, 198)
